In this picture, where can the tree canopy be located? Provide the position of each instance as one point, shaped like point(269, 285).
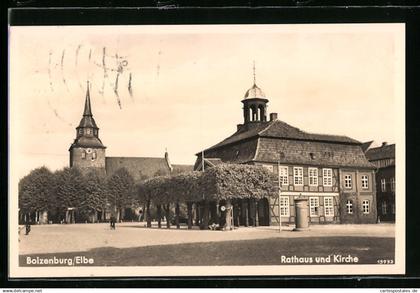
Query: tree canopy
point(220, 182)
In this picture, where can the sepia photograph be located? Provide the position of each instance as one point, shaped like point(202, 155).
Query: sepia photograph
point(206, 150)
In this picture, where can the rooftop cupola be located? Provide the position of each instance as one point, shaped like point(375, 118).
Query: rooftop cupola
point(255, 103)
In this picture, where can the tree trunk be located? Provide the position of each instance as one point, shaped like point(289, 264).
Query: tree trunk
point(197, 214)
point(229, 215)
point(251, 208)
point(205, 224)
point(167, 212)
point(213, 213)
point(246, 212)
point(159, 215)
point(190, 216)
point(257, 215)
point(177, 215)
point(148, 216)
point(236, 214)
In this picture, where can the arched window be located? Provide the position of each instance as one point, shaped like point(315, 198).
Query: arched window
point(254, 113)
point(261, 112)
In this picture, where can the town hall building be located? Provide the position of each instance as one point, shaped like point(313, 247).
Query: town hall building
point(331, 171)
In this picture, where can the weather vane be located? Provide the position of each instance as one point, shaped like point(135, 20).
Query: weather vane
point(254, 73)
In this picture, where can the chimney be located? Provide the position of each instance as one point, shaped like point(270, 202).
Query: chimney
point(273, 116)
point(238, 126)
point(384, 143)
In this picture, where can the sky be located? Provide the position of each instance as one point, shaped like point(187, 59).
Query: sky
point(180, 87)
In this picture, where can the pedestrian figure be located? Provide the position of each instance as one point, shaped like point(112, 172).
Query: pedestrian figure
point(27, 228)
point(112, 222)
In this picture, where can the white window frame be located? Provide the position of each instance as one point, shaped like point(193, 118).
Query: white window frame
point(349, 207)
point(314, 206)
point(298, 176)
point(384, 208)
point(313, 177)
point(329, 206)
point(383, 184)
point(393, 184)
point(366, 206)
point(83, 154)
point(347, 181)
point(365, 181)
point(284, 175)
point(327, 177)
point(94, 155)
point(88, 131)
point(284, 206)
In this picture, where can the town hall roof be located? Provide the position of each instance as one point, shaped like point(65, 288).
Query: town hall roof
point(276, 140)
point(280, 129)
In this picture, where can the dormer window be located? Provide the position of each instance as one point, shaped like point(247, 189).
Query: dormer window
point(88, 131)
point(95, 132)
point(80, 131)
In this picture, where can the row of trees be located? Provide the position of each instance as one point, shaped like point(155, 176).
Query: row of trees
point(88, 193)
point(93, 192)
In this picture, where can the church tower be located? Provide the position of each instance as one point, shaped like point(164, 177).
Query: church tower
point(255, 104)
point(87, 150)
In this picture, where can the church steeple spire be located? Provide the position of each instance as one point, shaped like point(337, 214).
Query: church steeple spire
point(87, 150)
point(88, 108)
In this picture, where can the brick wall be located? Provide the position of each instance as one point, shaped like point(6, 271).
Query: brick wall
point(77, 160)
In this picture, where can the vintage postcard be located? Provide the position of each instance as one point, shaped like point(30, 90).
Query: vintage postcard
point(207, 150)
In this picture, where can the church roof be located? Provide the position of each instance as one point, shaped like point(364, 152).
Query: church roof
point(180, 168)
point(139, 167)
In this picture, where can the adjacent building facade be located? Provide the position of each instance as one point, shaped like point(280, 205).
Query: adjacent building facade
point(383, 158)
point(331, 171)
